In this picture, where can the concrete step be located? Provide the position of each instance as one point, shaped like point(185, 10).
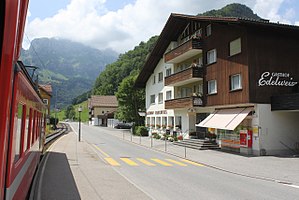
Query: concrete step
point(197, 144)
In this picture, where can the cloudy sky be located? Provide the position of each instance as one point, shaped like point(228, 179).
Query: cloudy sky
point(123, 24)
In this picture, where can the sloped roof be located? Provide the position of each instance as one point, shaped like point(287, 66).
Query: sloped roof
point(174, 26)
point(47, 88)
point(103, 101)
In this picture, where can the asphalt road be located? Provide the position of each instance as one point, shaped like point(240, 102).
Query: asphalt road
point(162, 176)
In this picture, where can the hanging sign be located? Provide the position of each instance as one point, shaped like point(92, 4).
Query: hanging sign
point(276, 79)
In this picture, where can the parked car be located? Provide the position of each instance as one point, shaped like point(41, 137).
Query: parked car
point(122, 126)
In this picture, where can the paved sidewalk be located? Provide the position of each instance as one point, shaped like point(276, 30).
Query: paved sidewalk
point(73, 170)
point(273, 168)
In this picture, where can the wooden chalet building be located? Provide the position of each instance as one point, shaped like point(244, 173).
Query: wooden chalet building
point(233, 77)
point(101, 108)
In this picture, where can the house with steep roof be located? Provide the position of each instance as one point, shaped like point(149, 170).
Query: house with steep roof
point(232, 77)
point(101, 108)
point(46, 94)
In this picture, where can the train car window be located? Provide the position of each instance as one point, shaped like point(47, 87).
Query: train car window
point(33, 127)
point(29, 128)
point(18, 128)
point(26, 130)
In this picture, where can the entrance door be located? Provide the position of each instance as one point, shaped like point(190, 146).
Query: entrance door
point(201, 132)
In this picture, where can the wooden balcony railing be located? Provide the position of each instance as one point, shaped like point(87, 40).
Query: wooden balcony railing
point(183, 51)
point(184, 75)
point(185, 102)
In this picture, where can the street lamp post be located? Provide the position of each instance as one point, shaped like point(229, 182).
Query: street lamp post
point(80, 110)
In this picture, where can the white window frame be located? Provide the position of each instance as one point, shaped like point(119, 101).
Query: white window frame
point(160, 98)
point(168, 72)
point(238, 79)
point(152, 99)
point(211, 56)
point(160, 77)
point(168, 95)
point(235, 47)
point(46, 102)
point(210, 89)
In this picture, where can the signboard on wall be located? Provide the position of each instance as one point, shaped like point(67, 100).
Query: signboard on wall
point(279, 79)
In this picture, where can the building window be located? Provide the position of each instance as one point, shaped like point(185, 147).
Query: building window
point(211, 56)
point(154, 80)
point(152, 100)
point(168, 72)
point(160, 77)
point(160, 98)
point(209, 30)
point(235, 47)
point(212, 87)
point(168, 95)
point(235, 82)
point(45, 101)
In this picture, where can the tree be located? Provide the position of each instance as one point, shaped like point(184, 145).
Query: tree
point(130, 101)
point(70, 112)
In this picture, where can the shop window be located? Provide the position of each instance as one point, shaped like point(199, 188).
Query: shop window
point(152, 99)
point(18, 131)
point(235, 82)
point(212, 87)
point(160, 98)
point(235, 47)
point(211, 56)
point(160, 77)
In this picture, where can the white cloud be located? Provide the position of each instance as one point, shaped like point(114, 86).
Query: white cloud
point(269, 9)
point(91, 23)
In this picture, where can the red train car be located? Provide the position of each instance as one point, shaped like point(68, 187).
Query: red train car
point(21, 108)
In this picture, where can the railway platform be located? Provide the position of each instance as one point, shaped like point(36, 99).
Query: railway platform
point(72, 170)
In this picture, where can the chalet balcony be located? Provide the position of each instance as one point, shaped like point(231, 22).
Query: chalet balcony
point(184, 51)
point(184, 77)
point(185, 102)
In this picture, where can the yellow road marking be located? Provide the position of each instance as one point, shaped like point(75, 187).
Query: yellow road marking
point(161, 162)
point(145, 162)
point(176, 162)
point(192, 163)
point(112, 162)
point(129, 161)
point(105, 154)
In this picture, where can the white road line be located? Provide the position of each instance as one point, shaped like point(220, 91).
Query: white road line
point(294, 186)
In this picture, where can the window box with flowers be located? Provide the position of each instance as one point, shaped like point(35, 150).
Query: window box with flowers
point(170, 126)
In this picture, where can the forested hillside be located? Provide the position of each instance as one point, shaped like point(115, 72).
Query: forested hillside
point(127, 64)
point(232, 10)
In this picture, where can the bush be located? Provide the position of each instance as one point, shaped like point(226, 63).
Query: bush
point(141, 130)
point(156, 136)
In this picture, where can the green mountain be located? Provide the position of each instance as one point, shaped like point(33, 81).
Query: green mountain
point(233, 10)
point(70, 67)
